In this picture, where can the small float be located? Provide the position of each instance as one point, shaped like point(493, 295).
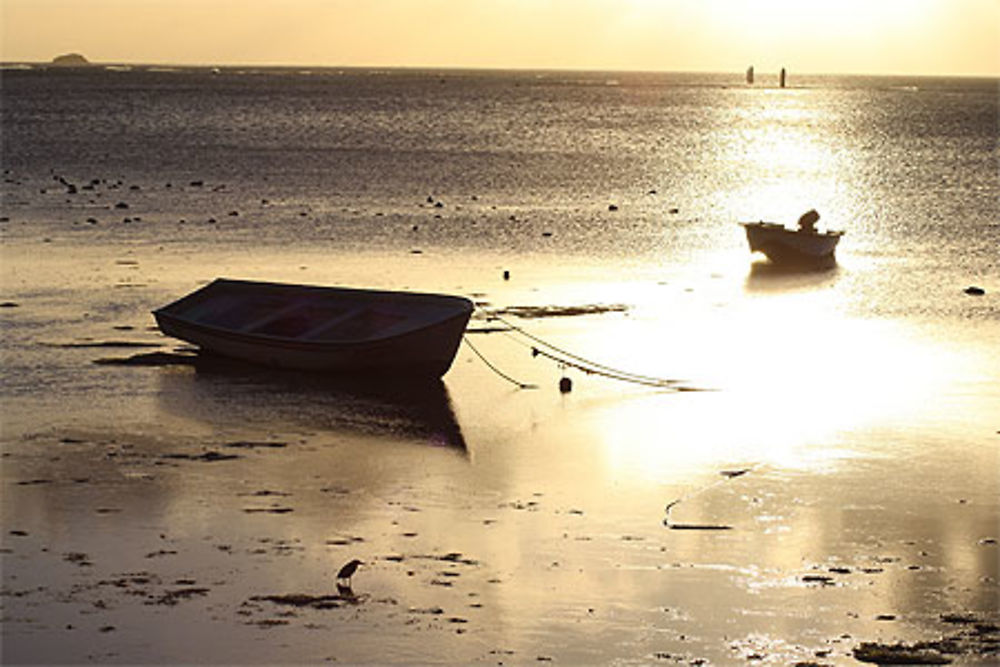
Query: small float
point(804, 245)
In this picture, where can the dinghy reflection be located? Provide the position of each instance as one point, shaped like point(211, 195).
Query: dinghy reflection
point(224, 390)
point(767, 276)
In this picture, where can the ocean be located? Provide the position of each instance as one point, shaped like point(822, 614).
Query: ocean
point(851, 412)
point(348, 158)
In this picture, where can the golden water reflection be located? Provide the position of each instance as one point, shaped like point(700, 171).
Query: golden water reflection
point(783, 139)
point(782, 372)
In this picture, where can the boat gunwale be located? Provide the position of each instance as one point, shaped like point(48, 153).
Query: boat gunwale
point(778, 227)
point(267, 340)
point(460, 307)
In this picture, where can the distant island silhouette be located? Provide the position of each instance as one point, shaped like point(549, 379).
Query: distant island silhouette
point(70, 60)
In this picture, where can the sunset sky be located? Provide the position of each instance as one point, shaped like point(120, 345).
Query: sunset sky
point(814, 36)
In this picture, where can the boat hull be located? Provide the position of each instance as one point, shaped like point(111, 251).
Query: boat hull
point(787, 246)
point(425, 347)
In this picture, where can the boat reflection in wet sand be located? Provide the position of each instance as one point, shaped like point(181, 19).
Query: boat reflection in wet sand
point(804, 246)
point(324, 329)
point(410, 409)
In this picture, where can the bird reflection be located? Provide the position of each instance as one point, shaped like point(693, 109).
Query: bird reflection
point(347, 594)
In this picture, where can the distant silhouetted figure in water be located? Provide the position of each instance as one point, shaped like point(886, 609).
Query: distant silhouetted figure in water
point(781, 79)
point(348, 571)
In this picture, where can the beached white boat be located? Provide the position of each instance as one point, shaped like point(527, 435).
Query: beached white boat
point(804, 245)
point(325, 329)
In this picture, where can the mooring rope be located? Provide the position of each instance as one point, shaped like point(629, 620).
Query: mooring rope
point(567, 358)
point(622, 376)
point(520, 385)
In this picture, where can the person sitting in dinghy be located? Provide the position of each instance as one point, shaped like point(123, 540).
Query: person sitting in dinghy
point(807, 221)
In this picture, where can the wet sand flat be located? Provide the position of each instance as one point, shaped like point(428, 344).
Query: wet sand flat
point(185, 511)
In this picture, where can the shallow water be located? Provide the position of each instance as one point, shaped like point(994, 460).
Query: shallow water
point(854, 409)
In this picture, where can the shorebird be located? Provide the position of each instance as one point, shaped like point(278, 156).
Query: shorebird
point(348, 571)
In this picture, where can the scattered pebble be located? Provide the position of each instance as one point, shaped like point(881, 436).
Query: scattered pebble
point(434, 611)
point(208, 457)
point(77, 558)
point(250, 444)
point(268, 510)
point(171, 598)
point(161, 552)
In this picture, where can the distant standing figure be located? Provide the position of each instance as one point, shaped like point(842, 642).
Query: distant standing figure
point(781, 79)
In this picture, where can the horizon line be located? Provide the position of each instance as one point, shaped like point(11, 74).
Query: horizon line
point(463, 68)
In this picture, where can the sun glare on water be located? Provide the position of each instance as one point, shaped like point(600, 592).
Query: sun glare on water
point(783, 375)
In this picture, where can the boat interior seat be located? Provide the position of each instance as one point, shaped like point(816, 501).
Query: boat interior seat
point(360, 323)
point(317, 320)
point(262, 322)
point(308, 320)
point(316, 333)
